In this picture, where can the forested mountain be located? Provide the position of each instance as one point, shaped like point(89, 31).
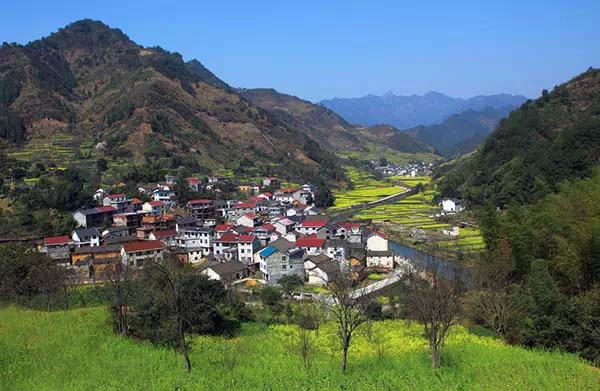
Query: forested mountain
point(329, 128)
point(92, 83)
point(539, 280)
point(409, 111)
point(546, 141)
point(462, 132)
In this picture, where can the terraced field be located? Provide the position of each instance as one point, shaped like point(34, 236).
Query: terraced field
point(367, 188)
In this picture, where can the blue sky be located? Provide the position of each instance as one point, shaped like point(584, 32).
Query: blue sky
point(322, 49)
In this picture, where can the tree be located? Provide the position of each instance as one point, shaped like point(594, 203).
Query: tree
point(102, 164)
point(289, 283)
point(348, 311)
point(433, 299)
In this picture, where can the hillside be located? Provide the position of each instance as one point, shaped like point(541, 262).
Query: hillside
point(90, 84)
point(462, 132)
point(76, 349)
point(544, 142)
point(405, 112)
point(327, 127)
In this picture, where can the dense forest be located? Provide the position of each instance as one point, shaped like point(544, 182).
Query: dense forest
point(535, 186)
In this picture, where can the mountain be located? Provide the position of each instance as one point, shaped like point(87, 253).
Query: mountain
point(90, 83)
point(328, 128)
point(410, 111)
point(544, 142)
point(462, 132)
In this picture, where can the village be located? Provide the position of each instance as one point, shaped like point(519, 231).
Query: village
point(269, 236)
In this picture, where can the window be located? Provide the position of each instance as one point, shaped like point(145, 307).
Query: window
point(284, 267)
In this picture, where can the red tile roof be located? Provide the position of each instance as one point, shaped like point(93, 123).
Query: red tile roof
point(287, 190)
point(251, 215)
point(266, 194)
point(271, 178)
point(135, 201)
point(56, 240)
point(165, 233)
point(157, 203)
point(118, 195)
point(146, 245)
point(105, 209)
point(348, 225)
point(268, 227)
point(310, 242)
point(380, 234)
point(193, 180)
point(224, 227)
point(314, 223)
point(235, 238)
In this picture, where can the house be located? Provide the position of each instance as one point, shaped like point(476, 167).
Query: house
point(451, 205)
point(312, 245)
point(154, 207)
point(235, 246)
point(167, 236)
point(57, 248)
point(130, 220)
point(194, 183)
point(197, 239)
point(286, 196)
point(118, 201)
point(94, 216)
point(203, 209)
point(272, 182)
point(266, 195)
point(275, 263)
point(263, 233)
point(244, 207)
point(226, 272)
point(86, 237)
point(283, 225)
point(378, 253)
point(136, 204)
point(152, 223)
point(115, 232)
point(337, 248)
point(185, 222)
point(250, 188)
point(99, 195)
point(221, 229)
point(99, 257)
point(454, 232)
point(248, 220)
point(163, 193)
point(137, 253)
point(321, 271)
point(309, 227)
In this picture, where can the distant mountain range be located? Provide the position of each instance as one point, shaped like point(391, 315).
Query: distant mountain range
point(332, 131)
point(462, 132)
point(405, 112)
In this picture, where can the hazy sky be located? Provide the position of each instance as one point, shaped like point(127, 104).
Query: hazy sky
point(327, 48)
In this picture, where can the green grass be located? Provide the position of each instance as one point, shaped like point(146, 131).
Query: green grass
point(376, 152)
point(76, 350)
point(366, 189)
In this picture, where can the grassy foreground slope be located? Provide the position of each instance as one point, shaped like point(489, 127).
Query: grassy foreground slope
point(76, 350)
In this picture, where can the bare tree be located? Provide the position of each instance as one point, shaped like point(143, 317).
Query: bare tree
point(347, 308)
point(305, 347)
point(171, 271)
point(433, 299)
point(118, 275)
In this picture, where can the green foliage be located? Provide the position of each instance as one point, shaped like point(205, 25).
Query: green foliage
point(537, 147)
point(77, 350)
point(290, 283)
point(30, 278)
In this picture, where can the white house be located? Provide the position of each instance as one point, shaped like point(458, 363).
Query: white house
point(226, 272)
point(154, 207)
point(378, 253)
point(309, 227)
point(320, 270)
point(311, 245)
point(86, 237)
point(231, 245)
point(194, 238)
point(140, 252)
point(276, 263)
point(452, 205)
point(248, 220)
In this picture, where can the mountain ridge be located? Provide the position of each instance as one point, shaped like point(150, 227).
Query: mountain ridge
point(413, 110)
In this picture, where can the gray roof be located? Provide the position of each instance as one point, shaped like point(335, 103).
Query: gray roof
point(122, 239)
point(186, 220)
point(336, 243)
point(282, 245)
point(317, 259)
point(82, 232)
point(227, 268)
point(331, 268)
point(388, 253)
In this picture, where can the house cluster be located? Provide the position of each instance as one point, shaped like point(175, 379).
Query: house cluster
point(410, 169)
point(268, 236)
